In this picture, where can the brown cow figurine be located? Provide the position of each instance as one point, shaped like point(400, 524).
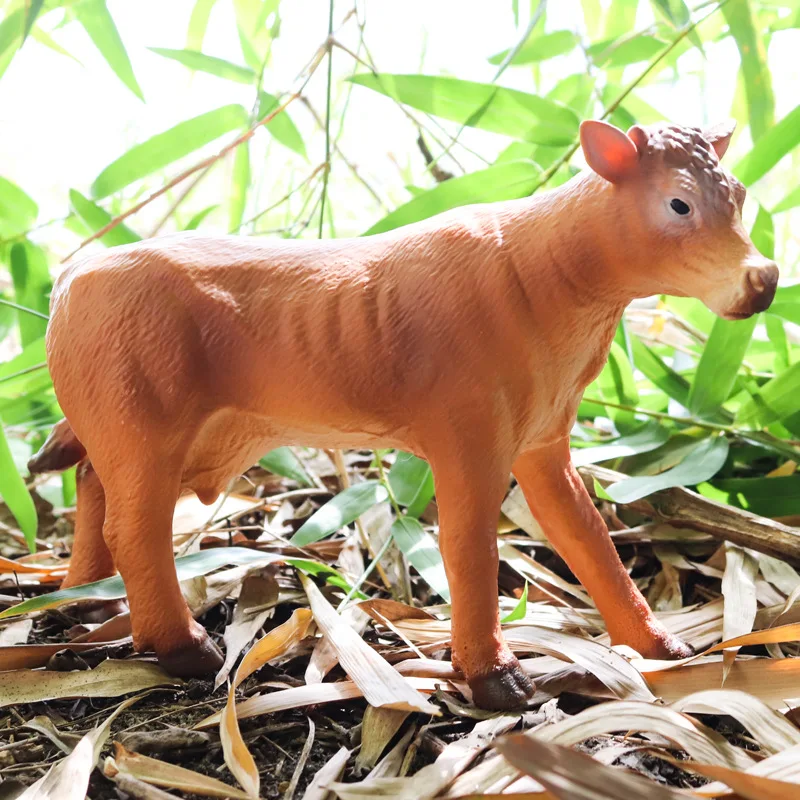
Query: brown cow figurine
point(467, 339)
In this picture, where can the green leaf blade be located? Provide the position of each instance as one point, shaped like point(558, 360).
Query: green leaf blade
point(99, 24)
point(422, 553)
point(15, 494)
point(343, 509)
point(165, 148)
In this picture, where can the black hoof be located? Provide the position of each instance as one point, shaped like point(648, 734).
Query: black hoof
point(503, 689)
point(195, 661)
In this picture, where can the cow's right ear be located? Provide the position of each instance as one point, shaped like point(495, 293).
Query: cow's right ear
point(609, 151)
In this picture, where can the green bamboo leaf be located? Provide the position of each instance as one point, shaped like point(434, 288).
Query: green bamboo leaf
point(719, 365)
point(198, 24)
point(519, 610)
point(504, 181)
point(411, 480)
point(281, 127)
point(282, 461)
point(422, 553)
point(32, 11)
point(32, 285)
point(776, 333)
point(97, 218)
point(650, 437)
point(11, 30)
point(17, 211)
point(164, 148)
point(776, 400)
point(17, 376)
point(676, 11)
point(768, 497)
point(770, 149)
point(194, 223)
point(187, 567)
point(480, 105)
point(99, 24)
point(240, 183)
point(658, 373)
point(210, 64)
point(792, 200)
point(762, 233)
point(343, 509)
point(630, 51)
point(540, 48)
point(740, 17)
point(702, 463)
point(15, 494)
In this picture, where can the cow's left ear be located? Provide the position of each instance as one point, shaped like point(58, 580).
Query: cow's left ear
point(719, 136)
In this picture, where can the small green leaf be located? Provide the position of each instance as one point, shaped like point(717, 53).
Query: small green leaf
point(650, 437)
point(762, 233)
point(198, 24)
point(16, 375)
point(540, 48)
point(740, 17)
point(281, 127)
point(768, 497)
point(31, 13)
point(343, 509)
point(99, 24)
point(628, 51)
point(17, 211)
point(702, 463)
point(422, 553)
point(11, 30)
point(676, 11)
point(792, 200)
point(504, 181)
point(15, 494)
point(411, 480)
point(187, 567)
point(32, 285)
point(719, 365)
point(210, 64)
point(240, 183)
point(657, 372)
point(97, 218)
point(770, 149)
point(282, 461)
point(600, 491)
point(164, 148)
point(776, 400)
point(776, 333)
point(480, 105)
point(195, 221)
point(519, 610)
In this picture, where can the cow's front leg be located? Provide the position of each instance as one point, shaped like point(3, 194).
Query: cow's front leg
point(469, 493)
point(562, 506)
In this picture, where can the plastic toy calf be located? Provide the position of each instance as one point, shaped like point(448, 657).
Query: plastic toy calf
point(466, 339)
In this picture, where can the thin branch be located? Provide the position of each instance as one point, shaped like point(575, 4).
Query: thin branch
point(18, 307)
point(210, 160)
point(326, 174)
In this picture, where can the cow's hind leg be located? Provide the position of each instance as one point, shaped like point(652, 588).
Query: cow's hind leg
point(91, 559)
point(141, 493)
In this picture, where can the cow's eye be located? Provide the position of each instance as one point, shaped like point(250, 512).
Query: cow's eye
point(679, 207)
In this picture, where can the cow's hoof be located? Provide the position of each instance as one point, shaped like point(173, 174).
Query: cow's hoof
point(195, 661)
point(668, 646)
point(503, 689)
point(94, 613)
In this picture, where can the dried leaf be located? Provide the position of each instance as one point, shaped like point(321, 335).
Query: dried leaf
point(382, 685)
point(69, 778)
point(739, 591)
point(275, 643)
point(377, 729)
point(170, 776)
point(330, 772)
point(110, 679)
point(571, 775)
point(16, 633)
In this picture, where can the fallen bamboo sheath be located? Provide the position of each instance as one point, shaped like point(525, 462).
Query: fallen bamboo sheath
point(686, 509)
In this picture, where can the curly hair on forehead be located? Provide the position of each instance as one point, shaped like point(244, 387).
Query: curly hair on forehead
point(681, 147)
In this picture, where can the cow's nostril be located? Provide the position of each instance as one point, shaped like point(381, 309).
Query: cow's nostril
point(755, 280)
